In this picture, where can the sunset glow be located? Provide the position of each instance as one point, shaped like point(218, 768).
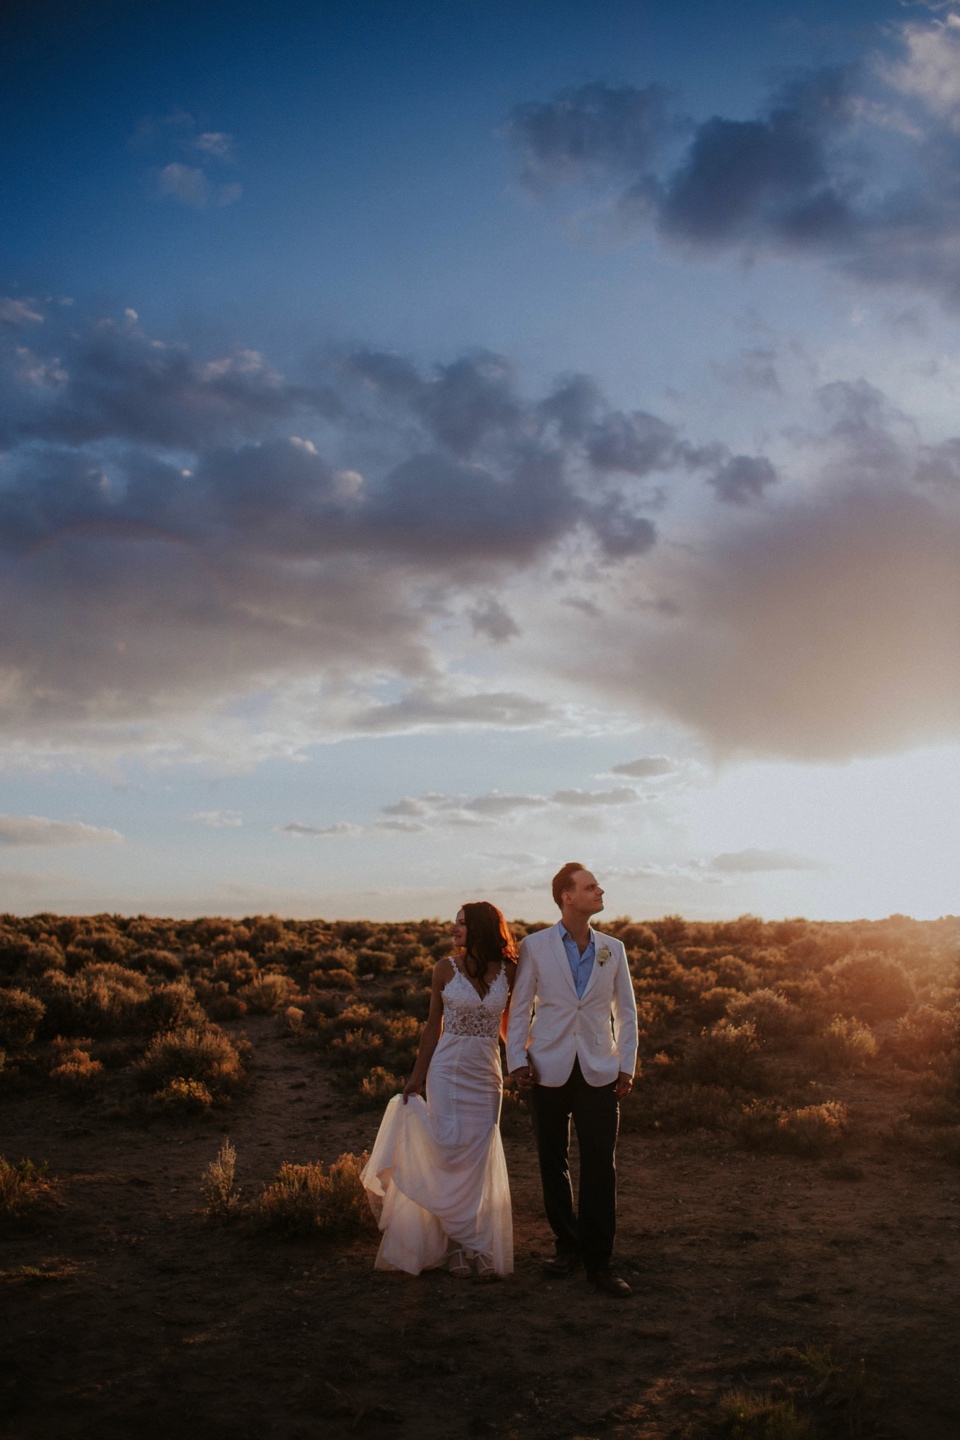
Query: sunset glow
point(442, 441)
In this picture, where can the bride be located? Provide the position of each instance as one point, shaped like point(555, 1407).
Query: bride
point(436, 1174)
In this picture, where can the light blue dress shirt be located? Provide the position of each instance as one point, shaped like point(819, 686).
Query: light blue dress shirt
point(581, 966)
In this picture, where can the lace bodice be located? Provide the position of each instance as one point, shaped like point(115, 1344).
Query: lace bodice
point(465, 1013)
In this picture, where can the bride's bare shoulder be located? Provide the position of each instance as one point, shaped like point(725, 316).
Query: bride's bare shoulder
point(444, 970)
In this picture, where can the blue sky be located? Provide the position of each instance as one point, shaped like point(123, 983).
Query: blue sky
point(445, 440)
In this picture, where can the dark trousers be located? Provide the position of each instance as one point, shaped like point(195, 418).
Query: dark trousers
point(595, 1112)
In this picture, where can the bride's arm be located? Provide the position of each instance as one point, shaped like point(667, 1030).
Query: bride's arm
point(432, 1030)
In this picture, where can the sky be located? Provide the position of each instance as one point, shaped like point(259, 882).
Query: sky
point(442, 440)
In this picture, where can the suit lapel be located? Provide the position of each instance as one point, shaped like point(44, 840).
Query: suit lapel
point(561, 958)
point(597, 947)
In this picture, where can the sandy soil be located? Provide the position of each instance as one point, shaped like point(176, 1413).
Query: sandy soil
point(149, 1323)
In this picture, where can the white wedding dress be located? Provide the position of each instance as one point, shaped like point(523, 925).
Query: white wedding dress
point(437, 1174)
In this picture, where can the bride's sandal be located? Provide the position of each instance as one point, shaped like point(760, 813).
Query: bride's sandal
point(484, 1269)
point(458, 1263)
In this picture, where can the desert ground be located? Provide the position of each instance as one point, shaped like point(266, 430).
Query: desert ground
point(776, 1293)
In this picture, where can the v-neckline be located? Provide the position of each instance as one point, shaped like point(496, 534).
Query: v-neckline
point(473, 987)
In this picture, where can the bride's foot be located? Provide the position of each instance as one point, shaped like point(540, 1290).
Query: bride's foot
point(458, 1263)
point(484, 1268)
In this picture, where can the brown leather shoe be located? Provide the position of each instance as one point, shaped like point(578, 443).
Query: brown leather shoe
point(563, 1263)
point(609, 1283)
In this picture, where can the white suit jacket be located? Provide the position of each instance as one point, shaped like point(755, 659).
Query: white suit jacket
point(550, 1026)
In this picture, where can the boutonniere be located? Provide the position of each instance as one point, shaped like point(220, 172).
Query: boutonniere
point(603, 955)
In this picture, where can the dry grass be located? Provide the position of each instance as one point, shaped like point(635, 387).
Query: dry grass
point(380, 1085)
point(811, 1130)
point(221, 1198)
point(76, 1069)
point(309, 1200)
point(24, 1185)
point(758, 1415)
point(183, 1097)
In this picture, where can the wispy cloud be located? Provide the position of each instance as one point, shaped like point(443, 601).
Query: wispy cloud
point(648, 767)
point(36, 830)
point(218, 819)
point(192, 186)
point(300, 831)
point(756, 862)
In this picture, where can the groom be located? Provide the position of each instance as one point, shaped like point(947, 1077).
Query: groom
point(572, 1044)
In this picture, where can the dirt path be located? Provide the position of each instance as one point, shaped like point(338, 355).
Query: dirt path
point(154, 1325)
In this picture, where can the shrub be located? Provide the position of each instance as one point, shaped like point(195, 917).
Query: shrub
point(308, 1200)
point(220, 1196)
point(233, 968)
point(203, 1054)
point(773, 1017)
point(870, 986)
point(266, 993)
point(170, 1007)
point(731, 970)
point(162, 962)
point(726, 1055)
point(22, 1186)
point(713, 1004)
point(107, 947)
point(844, 1046)
point(333, 980)
point(225, 1007)
point(379, 1085)
point(337, 958)
point(102, 999)
point(922, 1034)
point(374, 962)
point(810, 1130)
point(183, 1096)
point(20, 1014)
point(76, 1069)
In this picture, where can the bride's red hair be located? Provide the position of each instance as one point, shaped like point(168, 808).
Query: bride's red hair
point(489, 940)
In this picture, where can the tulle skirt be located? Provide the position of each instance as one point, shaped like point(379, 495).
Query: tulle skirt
point(437, 1172)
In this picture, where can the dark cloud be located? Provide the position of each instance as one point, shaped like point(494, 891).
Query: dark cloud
point(492, 619)
point(648, 767)
point(589, 132)
point(175, 528)
point(753, 371)
point(857, 165)
point(770, 178)
point(742, 478)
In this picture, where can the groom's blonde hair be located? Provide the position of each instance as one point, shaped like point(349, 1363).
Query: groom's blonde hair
point(561, 881)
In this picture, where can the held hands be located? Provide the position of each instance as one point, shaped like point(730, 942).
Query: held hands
point(525, 1077)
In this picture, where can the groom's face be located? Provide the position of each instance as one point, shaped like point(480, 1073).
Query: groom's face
point(584, 895)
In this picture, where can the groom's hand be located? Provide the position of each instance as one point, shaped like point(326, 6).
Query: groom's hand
point(624, 1085)
point(524, 1076)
